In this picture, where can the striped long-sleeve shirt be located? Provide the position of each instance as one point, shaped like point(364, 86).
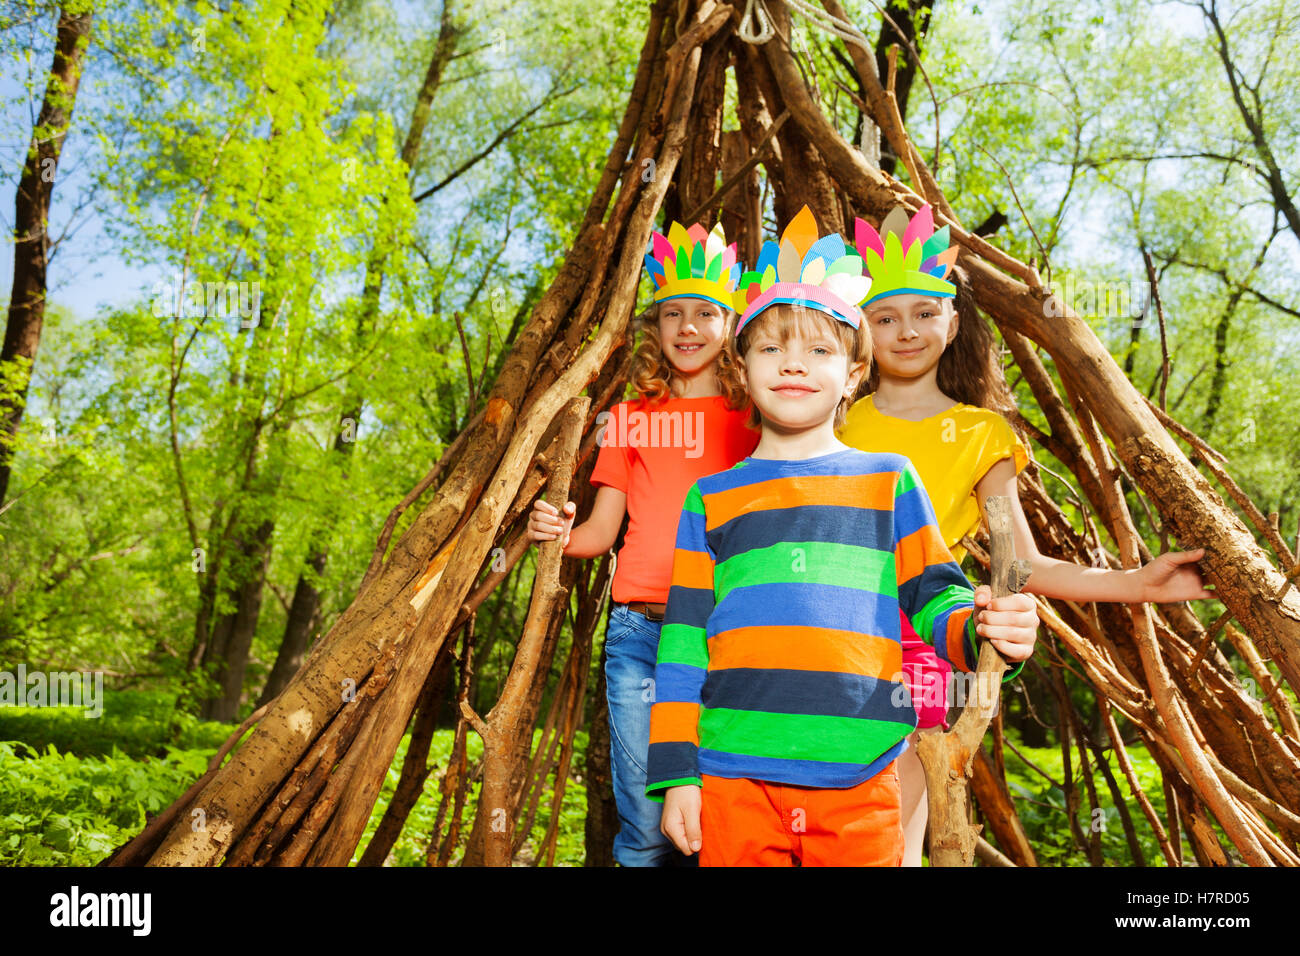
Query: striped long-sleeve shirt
point(780, 656)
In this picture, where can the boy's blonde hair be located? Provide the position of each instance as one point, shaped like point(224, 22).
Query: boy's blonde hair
point(652, 373)
point(783, 319)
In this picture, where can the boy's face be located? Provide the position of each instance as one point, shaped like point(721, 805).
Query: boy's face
point(691, 332)
point(798, 383)
point(909, 332)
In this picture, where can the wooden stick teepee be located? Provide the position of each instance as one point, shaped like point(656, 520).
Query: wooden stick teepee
point(301, 788)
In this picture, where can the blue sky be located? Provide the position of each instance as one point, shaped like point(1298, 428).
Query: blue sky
point(85, 275)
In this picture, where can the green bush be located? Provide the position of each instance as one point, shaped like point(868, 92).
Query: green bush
point(58, 809)
point(136, 723)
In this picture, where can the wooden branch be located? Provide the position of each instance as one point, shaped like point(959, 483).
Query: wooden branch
point(1157, 673)
point(504, 724)
point(390, 523)
point(742, 172)
point(989, 854)
point(143, 843)
point(416, 767)
point(946, 758)
point(1126, 767)
point(1165, 364)
point(480, 726)
point(1269, 687)
point(455, 782)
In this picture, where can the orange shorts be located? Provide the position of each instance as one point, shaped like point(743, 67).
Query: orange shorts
point(747, 822)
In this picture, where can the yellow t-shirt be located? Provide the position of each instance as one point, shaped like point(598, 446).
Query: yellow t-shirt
point(951, 451)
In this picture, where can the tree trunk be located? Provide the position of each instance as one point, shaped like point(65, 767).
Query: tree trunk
point(905, 28)
point(304, 612)
point(31, 231)
point(233, 633)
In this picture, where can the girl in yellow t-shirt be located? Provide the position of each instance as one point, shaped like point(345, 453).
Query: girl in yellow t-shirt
point(932, 391)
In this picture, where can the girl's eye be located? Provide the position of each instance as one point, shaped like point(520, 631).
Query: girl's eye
point(926, 314)
point(822, 349)
point(768, 348)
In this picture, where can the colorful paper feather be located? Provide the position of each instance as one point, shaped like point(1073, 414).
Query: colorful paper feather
point(907, 255)
point(821, 273)
point(695, 263)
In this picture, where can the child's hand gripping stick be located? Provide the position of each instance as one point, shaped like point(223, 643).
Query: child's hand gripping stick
point(946, 757)
point(546, 524)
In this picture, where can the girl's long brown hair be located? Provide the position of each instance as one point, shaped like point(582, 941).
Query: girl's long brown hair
point(652, 374)
point(969, 370)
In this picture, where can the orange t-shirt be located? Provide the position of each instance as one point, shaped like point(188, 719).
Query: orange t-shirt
point(654, 453)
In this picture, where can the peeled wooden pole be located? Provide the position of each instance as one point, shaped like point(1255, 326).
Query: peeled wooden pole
point(946, 758)
point(503, 726)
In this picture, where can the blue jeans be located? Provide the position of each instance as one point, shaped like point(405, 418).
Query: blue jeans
point(631, 644)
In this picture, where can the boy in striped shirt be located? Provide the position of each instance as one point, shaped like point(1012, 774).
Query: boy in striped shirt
point(779, 704)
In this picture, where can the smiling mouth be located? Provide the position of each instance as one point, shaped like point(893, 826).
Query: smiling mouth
point(906, 353)
point(689, 346)
point(793, 389)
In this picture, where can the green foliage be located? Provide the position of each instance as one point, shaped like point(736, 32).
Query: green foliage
point(57, 809)
point(1042, 810)
point(133, 723)
point(72, 789)
point(261, 144)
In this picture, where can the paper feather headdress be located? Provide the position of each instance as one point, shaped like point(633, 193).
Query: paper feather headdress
point(821, 273)
point(691, 262)
point(906, 255)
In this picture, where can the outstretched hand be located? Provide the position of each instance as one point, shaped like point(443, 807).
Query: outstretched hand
point(1009, 623)
point(1174, 577)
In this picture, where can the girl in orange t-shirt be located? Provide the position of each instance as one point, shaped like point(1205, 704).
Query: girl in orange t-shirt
point(689, 420)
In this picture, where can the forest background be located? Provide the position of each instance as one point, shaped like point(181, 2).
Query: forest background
point(371, 197)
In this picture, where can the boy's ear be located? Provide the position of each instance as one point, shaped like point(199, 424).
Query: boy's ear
point(856, 371)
